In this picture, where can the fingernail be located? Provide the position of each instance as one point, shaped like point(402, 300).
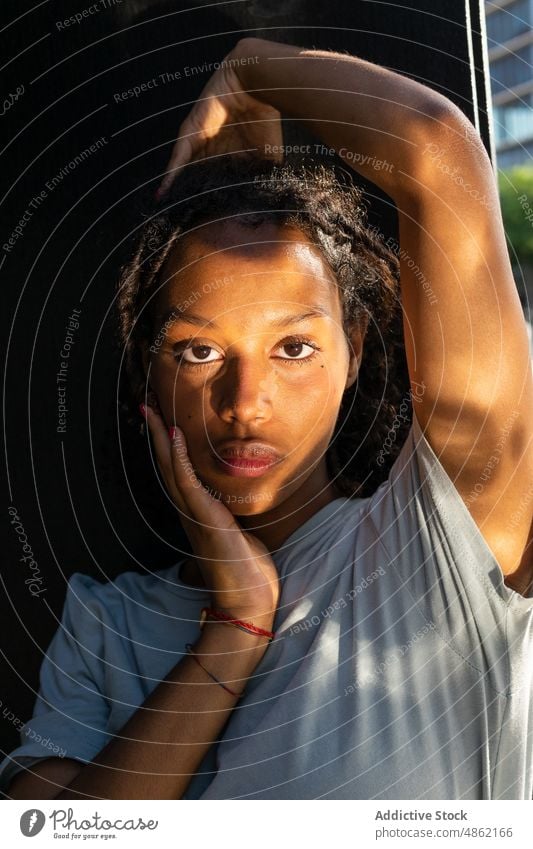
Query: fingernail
point(142, 410)
point(172, 432)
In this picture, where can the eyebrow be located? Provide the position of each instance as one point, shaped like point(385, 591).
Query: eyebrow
point(174, 315)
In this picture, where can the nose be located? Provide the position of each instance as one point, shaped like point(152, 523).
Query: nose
point(246, 391)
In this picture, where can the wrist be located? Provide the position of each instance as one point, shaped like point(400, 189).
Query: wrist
point(253, 616)
point(230, 646)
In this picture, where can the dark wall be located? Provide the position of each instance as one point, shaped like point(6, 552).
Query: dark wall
point(86, 498)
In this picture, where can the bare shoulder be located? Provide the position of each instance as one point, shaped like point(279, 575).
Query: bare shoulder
point(44, 780)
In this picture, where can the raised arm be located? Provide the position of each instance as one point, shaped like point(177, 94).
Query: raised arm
point(465, 335)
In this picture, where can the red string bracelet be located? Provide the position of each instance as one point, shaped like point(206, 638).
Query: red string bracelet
point(213, 677)
point(210, 613)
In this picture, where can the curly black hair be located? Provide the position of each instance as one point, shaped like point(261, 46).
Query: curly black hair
point(325, 204)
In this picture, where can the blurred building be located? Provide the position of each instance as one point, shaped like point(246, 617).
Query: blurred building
point(510, 49)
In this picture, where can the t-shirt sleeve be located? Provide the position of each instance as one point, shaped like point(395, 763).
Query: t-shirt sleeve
point(436, 550)
point(71, 712)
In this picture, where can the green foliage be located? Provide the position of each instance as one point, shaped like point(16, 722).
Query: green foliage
point(516, 197)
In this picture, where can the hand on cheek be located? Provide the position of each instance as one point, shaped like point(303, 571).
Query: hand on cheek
point(235, 565)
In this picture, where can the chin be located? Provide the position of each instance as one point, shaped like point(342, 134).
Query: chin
point(242, 496)
point(248, 504)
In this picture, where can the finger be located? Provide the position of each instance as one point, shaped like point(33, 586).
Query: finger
point(206, 508)
point(198, 508)
point(192, 131)
point(182, 153)
point(161, 445)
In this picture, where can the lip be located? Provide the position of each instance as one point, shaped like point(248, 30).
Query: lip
point(246, 458)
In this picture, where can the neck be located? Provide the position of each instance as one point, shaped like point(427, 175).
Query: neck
point(275, 526)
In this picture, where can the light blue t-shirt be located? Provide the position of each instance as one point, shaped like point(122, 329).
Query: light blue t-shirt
point(402, 666)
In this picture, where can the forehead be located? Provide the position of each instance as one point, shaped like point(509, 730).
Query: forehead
point(236, 268)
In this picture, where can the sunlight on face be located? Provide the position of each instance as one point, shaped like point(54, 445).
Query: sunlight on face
point(248, 342)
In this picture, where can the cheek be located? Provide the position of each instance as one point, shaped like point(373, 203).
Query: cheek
point(309, 406)
point(323, 385)
point(311, 388)
point(173, 393)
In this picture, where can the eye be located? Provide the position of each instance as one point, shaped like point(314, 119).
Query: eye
point(195, 355)
point(296, 346)
point(199, 355)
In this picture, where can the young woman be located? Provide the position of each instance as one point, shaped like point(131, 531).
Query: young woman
point(369, 631)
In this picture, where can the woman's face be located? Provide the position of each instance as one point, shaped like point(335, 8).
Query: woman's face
point(231, 360)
